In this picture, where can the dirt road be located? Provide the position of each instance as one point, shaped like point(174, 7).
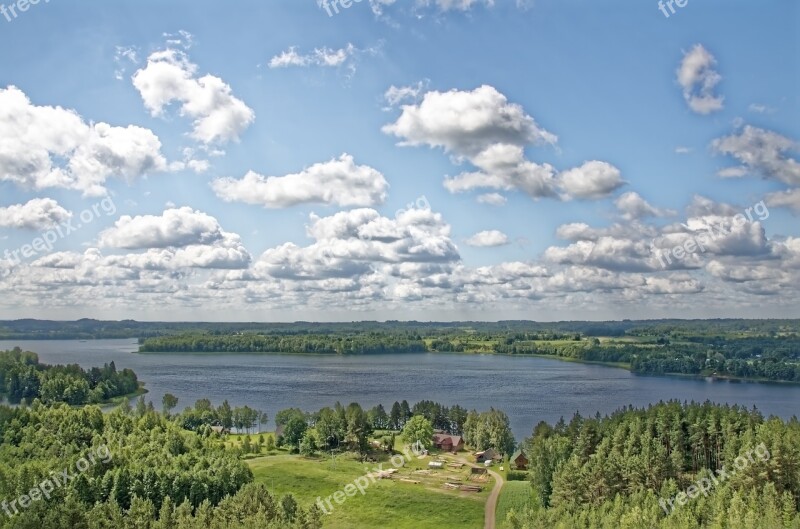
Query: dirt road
point(491, 503)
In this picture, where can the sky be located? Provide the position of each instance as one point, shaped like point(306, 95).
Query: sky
point(287, 160)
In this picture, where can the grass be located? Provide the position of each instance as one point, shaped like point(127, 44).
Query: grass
point(515, 495)
point(386, 503)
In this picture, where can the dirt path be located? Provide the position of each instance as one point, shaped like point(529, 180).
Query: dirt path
point(491, 503)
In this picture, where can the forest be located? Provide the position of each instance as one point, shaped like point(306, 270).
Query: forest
point(23, 378)
point(641, 468)
point(156, 475)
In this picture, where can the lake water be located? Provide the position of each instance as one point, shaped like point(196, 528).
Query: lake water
point(527, 389)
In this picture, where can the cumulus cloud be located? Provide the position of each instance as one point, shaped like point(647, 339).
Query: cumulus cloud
point(632, 207)
point(488, 239)
point(44, 147)
point(178, 239)
point(698, 78)
point(619, 255)
point(174, 228)
point(170, 77)
point(336, 182)
point(482, 127)
point(592, 180)
point(357, 244)
point(762, 152)
point(37, 214)
point(466, 123)
point(786, 199)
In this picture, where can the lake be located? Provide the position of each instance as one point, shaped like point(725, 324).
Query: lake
point(527, 389)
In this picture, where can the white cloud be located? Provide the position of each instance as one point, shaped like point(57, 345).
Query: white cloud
point(493, 199)
point(324, 56)
point(123, 57)
point(174, 228)
point(488, 239)
point(760, 109)
point(338, 181)
point(762, 152)
point(357, 243)
point(398, 94)
point(482, 127)
point(632, 207)
point(592, 180)
point(466, 123)
point(37, 214)
point(180, 238)
point(698, 79)
point(454, 5)
point(43, 147)
point(169, 76)
point(788, 199)
point(683, 150)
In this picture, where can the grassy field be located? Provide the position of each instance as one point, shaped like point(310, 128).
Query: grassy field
point(386, 503)
point(515, 495)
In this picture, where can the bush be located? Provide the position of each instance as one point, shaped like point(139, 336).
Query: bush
point(518, 475)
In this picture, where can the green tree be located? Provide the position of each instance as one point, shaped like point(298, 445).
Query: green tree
point(169, 402)
point(418, 429)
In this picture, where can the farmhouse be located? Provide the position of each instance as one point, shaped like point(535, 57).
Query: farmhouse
point(519, 460)
point(448, 443)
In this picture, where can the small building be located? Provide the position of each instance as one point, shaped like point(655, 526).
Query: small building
point(519, 460)
point(490, 454)
point(447, 442)
point(436, 464)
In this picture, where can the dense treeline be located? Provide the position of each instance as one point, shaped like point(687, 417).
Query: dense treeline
point(23, 378)
point(152, 474)
point(350, 428)
point(630, 470)
point(769, 358)
point(368, 343)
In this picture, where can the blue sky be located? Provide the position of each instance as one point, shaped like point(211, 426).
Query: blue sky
point(562, 149)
